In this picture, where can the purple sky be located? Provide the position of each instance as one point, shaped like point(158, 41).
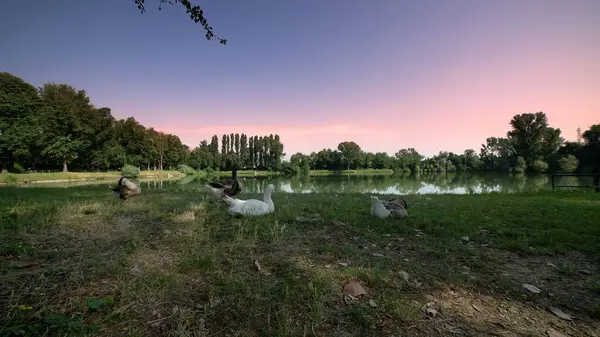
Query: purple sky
point(389, 74)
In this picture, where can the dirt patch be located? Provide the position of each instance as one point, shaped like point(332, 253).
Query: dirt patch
point(564, 280)
point(477, 315)
point(154, 261)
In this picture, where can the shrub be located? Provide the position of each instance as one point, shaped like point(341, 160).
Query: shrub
point(11, 179)
point(305, 167)
point(568, 163)
point(18, 168)
point(540, 166)
point(185, 169)
point(130, 171)
point(520, 165)
point(289, 169)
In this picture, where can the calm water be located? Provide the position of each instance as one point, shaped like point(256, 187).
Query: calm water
point(456, 183)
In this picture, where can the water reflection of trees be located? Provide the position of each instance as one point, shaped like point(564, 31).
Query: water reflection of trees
point(450, 182)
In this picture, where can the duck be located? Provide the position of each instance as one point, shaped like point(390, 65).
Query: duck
point(396, 201)
point(126, 188)
point(252, 206)
point(382, 211)
point(225, 187)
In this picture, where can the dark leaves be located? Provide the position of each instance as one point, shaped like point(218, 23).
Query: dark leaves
point(195, 12)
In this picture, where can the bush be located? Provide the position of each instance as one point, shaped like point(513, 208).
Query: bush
point(305, 167)
point(289, 169)
point(185, 169)
point(11, 179)
point(568, 163)
point(18, 168)
point(540, 166)
point(130, 171)
point(520, 165)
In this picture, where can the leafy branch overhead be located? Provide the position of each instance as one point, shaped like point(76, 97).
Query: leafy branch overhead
point(196, 14)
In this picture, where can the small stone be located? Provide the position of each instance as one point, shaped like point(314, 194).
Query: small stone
point(431, 313)
point(553, 333)
point(354, 289)
point(561, 314)
point(531, 288)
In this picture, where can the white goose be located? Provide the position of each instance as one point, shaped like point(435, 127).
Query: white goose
point(382, 211)
point(252, 206)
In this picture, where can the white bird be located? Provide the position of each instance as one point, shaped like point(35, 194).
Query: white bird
point(252, 206)
point(382, 211)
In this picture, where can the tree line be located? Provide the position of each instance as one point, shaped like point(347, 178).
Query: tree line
point(530, 145)
point(239, 151)
point(57, 127)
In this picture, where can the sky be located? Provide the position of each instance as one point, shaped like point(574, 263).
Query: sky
point(435, 75)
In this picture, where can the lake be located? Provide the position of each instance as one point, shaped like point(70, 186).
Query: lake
point(455, 183)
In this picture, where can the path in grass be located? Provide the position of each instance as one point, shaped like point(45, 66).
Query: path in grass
point(171, 263)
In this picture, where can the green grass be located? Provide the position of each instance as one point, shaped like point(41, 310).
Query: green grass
point(250, 173)
point(80, 176)
point(353, 172)
point(78, 262)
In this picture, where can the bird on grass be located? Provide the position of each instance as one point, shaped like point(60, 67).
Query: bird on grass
point(396, 201)
point(126, 188)
point(225, 187)
point(382, 211)
point(252, 206)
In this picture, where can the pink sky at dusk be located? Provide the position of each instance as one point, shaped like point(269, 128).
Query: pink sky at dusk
point(433, 75)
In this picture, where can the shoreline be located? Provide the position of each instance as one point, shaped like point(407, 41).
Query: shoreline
point(57, 177)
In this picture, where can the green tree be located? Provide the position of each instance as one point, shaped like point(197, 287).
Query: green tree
point(214, 150)
point(350, 152)
point(532, 138)
point(589, 156)
point(244, 150)
point(592, 135)
point(381, 160)
point(224, 146)
point(68, 115)
point(497, 154)
point(19, 106)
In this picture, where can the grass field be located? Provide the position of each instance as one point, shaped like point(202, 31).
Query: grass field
point(249, 173)
point(80, 176)
point(77, 262)
point(356, 172)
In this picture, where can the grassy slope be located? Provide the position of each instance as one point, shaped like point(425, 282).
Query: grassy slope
point(85, 175)
point(175, 263)
point(357, 172)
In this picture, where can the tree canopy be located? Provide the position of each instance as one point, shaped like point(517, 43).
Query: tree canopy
point(57, 127)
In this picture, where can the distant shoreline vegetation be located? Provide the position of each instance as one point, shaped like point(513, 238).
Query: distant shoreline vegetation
point(57, 128)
